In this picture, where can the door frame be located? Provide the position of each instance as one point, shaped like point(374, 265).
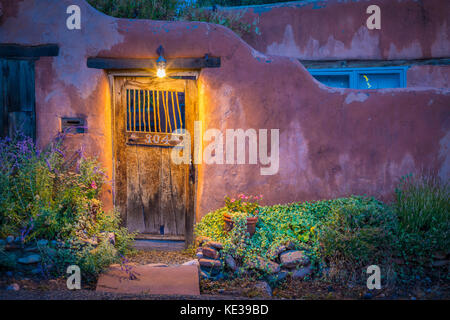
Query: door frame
point(192, 173)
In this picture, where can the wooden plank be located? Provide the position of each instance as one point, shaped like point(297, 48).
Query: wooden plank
point(174, 63)
point(173, 194)
point(17, 102)
point(8, 50)
point(21, 121)
point(143, 189)
point(154, 139)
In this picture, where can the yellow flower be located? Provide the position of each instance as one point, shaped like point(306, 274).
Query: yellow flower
point(312, 229)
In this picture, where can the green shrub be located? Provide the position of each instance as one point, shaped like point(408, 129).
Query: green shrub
point(422, 204)
point(359, 233)
point(230, 19)
point(348, 229)
point(175, 10)
point(138, 9)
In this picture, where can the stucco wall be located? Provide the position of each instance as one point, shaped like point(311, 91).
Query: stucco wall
point(333, 142)
point(336, 30)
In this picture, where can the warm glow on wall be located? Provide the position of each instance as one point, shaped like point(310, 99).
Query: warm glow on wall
point(160, 63)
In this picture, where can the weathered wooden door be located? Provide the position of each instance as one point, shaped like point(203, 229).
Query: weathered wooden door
point(153, 193)
point(17, 97)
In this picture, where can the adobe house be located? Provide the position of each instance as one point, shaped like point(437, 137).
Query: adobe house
point(336, 137)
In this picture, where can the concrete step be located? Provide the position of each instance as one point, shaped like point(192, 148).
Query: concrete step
point(150, 279)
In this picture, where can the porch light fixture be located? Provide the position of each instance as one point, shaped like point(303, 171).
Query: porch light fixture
point(160, 63)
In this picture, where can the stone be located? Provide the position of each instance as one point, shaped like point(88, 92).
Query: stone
point(210, 263)
point(2, 242)
point(300, 274)
point(278, 277)
point(199, 255)
point(210, 253)
point(214, 244)
point(42, 243)
point(9, 239)
point(267, 266)
point(9, 274)
point(264, 288)
point(201, 239)
point(291, 259)
point(34, 258)
point(13, 287)
point(230, 263)
point(192, 263)
point(31, 249)
point(275, 252)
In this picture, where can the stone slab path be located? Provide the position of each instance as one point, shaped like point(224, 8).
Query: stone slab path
point(151, 279)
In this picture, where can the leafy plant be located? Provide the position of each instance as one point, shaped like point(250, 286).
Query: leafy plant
point(247, 205)
point(422, 204)
point(359, 233)
point(141, 9)
point(309, 226)
point(230, 19)
point(176, 10)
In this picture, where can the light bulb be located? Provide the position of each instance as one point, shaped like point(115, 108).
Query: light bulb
point(161, 72)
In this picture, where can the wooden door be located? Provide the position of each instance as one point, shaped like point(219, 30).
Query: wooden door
point(17, 98)
point(153, 194)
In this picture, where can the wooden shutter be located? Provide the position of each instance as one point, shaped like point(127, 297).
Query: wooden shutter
point(17, 97)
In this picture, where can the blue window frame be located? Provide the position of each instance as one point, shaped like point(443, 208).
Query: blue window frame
point(362, 78)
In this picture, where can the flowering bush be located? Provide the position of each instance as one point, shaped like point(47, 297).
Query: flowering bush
point(243, 204)
point(52, 194)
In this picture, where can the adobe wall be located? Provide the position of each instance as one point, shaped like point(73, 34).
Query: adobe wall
point(336, 30)
point(333, 142)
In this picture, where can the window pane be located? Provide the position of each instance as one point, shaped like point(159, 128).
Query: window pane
point(335, 80)
point(378, 81)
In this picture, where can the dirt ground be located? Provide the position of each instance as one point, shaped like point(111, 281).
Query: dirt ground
point(46, 289)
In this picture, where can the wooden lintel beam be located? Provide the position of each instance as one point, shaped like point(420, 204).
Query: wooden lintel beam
point(8, 50)
point(174, 63)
